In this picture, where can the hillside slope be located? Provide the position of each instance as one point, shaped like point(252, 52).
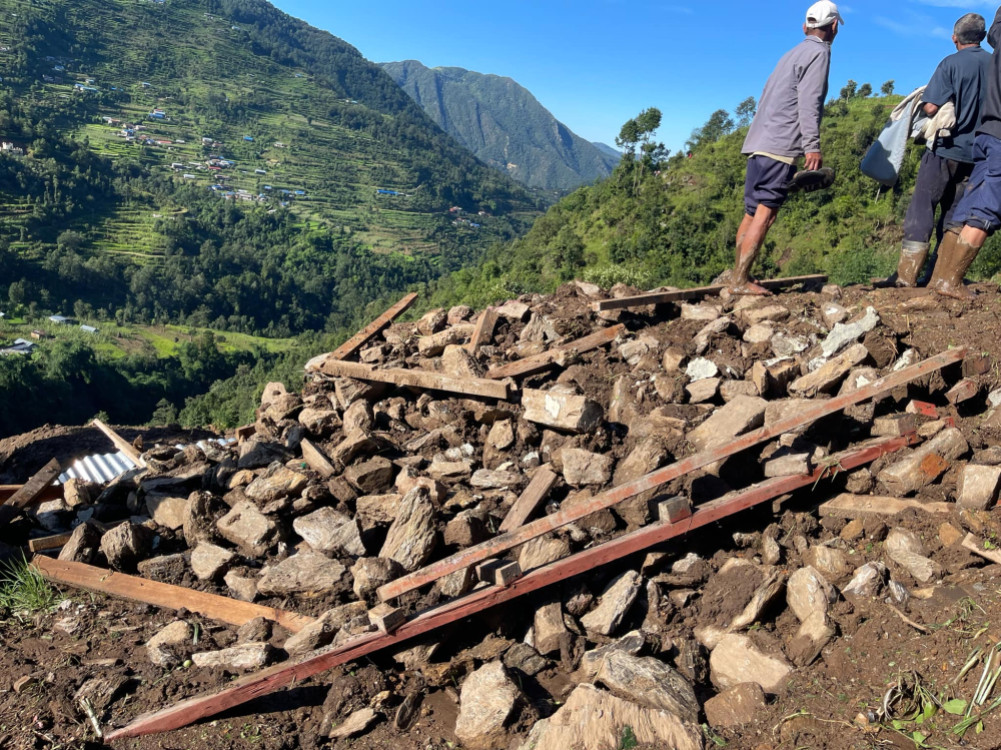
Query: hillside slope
point(504, 125)
point(220, 163)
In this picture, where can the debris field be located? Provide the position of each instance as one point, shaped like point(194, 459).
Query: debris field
point(594, 520)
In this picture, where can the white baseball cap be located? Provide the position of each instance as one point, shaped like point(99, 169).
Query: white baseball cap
point(822, 14)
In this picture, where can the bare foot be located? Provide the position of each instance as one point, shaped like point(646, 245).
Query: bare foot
point(749, 288)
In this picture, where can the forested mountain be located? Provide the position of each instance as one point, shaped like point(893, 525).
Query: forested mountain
point(219, 163)
point(659, 221)
point(504, 125)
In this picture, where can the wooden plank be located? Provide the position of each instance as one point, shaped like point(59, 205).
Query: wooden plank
point(315, 459)
point(974, 544)
point(418, 379)
point(51, 492)
point(290, 673)
point(500, 544)
point(33, 489)
point(164, 595)
point(121, 443)
point(484, 331)
point(41, 544)
point(545, 360)
point(373, 329)
point(658, 298)
point(852, 506)
point(542, 481)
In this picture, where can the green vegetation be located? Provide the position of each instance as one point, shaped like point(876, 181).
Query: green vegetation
point(660, 220)
point(23, 589)
point(504, 125)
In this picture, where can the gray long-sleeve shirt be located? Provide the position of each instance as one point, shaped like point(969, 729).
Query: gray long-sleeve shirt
point(787, 122)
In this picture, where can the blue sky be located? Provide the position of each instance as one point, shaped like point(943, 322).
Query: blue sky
point(596, 63)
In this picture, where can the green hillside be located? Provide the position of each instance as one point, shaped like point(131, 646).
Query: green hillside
point(216, 162)
point(504, 125)
point(660, 221)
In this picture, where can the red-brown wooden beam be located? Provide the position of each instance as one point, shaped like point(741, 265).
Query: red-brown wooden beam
point(35, 487)
point(659, 298)
point(503, 542)
point(545, 360)
point(284, 675)
point(366, 334)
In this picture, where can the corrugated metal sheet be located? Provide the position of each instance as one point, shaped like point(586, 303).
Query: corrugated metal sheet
point(103, 468)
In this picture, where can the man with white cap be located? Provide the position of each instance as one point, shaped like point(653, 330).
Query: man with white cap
point(785, 127)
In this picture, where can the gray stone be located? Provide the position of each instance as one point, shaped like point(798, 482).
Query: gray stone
point(248, 528)
point(244, 587)
point(306, 572)
point(648, 682)
point(867, 581)
point(166, 510)
point(83, 545)
point(277, 483)
point(845, 333)
point(592, 719)
point(561, 408)
point(209, 562)
point(200, 515)
point(733, 708)
point(809, 593)
point(704, 390)
point(487, 701)
point(125, 545)
point(241, 656)
point(906, 549)
point(370, 573)
point(978, 486)
point(549, 630)
point(169, 647)
point(376, 510)
point(329, 531)
point(322, 631)
point(542, 551)
point(736, 660)
point(701, 369)
point(487, 479)
point(911, 473)
point(614, 605)
point(358, 722)
point(371, 477)
point(414, 535)
point(742, 414)
point(581, 467)
point(631, 643)
point(829, 375)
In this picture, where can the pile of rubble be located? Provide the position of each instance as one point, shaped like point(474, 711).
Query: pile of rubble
point(356, 482)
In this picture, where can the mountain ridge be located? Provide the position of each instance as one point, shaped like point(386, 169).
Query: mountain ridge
point(504, 125)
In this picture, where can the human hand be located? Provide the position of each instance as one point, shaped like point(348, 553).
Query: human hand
point(814, 160)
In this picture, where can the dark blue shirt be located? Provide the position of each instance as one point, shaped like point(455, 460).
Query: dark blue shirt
point(961, 79)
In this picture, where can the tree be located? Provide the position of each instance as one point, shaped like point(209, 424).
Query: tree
point(865, 90)
point(719, 124)
point(887, 88)
point(848, 92)
point(639, 132)
point(745, 111)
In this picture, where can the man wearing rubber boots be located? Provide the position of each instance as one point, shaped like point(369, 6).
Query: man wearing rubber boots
point(978, 214)
point(785, 127)
point(946, 165)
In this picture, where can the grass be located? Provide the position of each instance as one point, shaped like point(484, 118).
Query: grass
point(23, 589)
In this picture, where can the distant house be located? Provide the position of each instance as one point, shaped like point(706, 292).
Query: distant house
point(58, 319)
point(260, 171)
point(145, 84)
point(248, 138)
point(88, 329)
point(20, 346)
point(39, 335)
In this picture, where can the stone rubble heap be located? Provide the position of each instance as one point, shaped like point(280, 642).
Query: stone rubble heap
point(659, 645)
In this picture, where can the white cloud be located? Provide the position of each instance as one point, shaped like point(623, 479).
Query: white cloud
point(914, 26)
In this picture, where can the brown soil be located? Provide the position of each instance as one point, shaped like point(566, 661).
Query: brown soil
point(825, 706)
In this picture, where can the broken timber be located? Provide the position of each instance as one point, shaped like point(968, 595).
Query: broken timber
point(224, 609)
point(284, 675)
point(484, 330)
point(120, 443)
point(417, 379)
point(35, 487)
point(525, 505)
point(556, 356)
point(869, 506)
point(499, 544)
point(365, 335)
point(658, 298)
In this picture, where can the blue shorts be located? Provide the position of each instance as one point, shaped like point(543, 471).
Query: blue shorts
point(980, 206)
point(766, 183)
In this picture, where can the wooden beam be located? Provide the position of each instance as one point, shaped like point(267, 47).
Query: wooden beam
point(659, 298)
point(285, 675)
point(373, 329)
point(121, 443)
point(315, 459)
point(418, 379)
point(545, 360)
point(33, 489)
point(975, 545)
point(102, 581)
point(498, 545)
point(851, 506)
point(43, 543)
point(51, 492)
point(484, 331)
point(542, 481)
